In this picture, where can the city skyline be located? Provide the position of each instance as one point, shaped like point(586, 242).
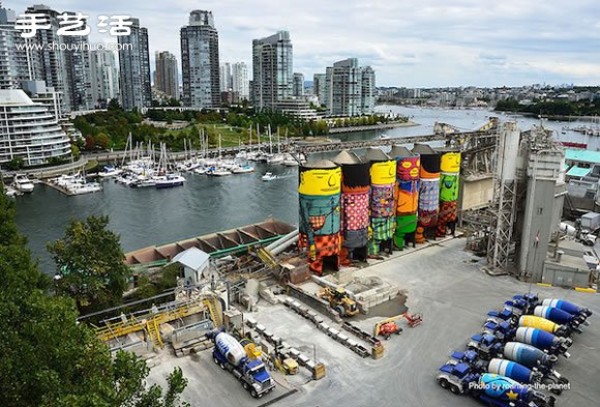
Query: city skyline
point(428, 45)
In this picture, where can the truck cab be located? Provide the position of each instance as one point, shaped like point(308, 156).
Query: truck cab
point(257, 378)
point(456, 378)
point(487, 346)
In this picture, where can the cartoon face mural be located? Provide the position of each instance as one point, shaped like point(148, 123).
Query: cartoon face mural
point(408, 197)
point(383, 173)
point(319, 215)
point(320, 182)
point(448, 187)
point(430, 166)
point(450, 162)
point(408, 168)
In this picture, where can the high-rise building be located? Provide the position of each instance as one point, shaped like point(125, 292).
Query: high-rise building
point(29, 131)
point(105, 77)
point(272, 67)
point(239, 80)
point(166, 77)
point(78, 80)
point(62, 61)
point(134, 68)
point(319, 88)
point(368, 90)
point(38, 92)
point(225, 77)
point(350, 88)
point(14, 66)
point(200, 61)
point(298, 86)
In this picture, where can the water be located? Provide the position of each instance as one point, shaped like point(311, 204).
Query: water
point(144, 217)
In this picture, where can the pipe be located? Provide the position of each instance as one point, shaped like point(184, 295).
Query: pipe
point(284, 246)
point(282, 240)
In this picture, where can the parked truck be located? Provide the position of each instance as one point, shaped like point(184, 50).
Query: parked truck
point(229, 354)
point(559, 316)
point(567, 306)
point(492, 389)
point(589, 222)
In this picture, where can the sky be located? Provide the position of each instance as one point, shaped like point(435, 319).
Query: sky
point(410, 43)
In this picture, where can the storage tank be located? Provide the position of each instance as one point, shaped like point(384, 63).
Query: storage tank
point(408, 165)
point(383, 181)
point(319, 193)
point(354, 227)
point(450, 167)
point(230, 348)
point(429, 191)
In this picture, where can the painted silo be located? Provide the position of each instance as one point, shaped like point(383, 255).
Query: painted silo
point(382, 172)
point(407, 194)
point(429, 190)
point(354, 227)
point(450, 167)
point(319, 192)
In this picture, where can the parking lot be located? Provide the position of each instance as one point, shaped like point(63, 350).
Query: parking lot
point(445, 284)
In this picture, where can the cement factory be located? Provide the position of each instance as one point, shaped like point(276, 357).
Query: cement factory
point(397, 252)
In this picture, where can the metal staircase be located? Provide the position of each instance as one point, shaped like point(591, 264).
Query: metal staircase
point(267, 257)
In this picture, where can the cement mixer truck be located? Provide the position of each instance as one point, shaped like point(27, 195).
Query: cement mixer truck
point(229, 354)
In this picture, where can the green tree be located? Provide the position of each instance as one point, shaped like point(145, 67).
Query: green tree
point(15, 164)
point(47, 358)
point(89, 260)
point(102, 140)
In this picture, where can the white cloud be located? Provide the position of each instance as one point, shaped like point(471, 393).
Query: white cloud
point(425, 43)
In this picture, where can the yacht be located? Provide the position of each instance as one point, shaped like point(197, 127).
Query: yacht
point(269, 176)
point(169, 181)
point(242, 169)
point(11, 192)
point(109, 171)
point(218, 172)
point(201, 170)
point(22, 183)
point(290, 160)
point(84, 188)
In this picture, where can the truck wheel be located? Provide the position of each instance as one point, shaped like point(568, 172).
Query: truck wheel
point(444, 383)
point(454, 389)
point(340, 310)
point(245, 385)
point(222, 365)
point(215, 360)
point(254, 394)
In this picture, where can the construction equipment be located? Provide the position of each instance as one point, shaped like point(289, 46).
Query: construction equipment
point(214, 308)
point(340, 301)
point(411, 319)
point(229, 354)
point(388, 329)
point(284, 362)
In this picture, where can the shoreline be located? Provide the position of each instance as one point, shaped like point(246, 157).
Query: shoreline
point(383, 126)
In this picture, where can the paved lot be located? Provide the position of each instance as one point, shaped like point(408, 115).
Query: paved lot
point(444, 285)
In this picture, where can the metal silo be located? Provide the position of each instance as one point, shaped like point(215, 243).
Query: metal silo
point(450, 167)
point(429, 191)
point(408, 165)
point(319, 193)
point(354, 228)
point(383, 181)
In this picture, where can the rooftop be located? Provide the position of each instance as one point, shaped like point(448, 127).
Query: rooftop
point(576, 171)
point(14, 97)
point(576, 154)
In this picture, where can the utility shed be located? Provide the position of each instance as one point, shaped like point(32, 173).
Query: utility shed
point(195, 264)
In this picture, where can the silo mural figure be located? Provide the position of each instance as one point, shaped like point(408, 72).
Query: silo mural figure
point(319, 193)
point(450, 167)
point(382, 212)
point(407, 194)
point(429, 191)
point(354, 226)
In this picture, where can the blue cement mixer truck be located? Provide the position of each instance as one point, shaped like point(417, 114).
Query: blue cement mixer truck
point(229, 354)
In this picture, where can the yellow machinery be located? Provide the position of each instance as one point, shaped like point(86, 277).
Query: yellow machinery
point(340, 301)
point(285, 364)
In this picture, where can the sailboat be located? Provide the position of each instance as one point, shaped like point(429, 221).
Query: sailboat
point(166, 179)
point(276, 158)
point(220, 170)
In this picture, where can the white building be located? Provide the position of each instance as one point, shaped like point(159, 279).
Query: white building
point(239, 80)
point(28, 130)
point(105, 77)
point(350, 89)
